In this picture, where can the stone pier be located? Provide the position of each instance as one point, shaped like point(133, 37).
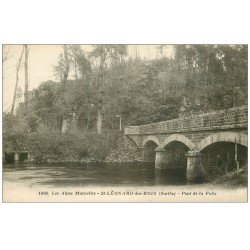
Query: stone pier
point(16, 158)
point(195, 168)
point(161, 158)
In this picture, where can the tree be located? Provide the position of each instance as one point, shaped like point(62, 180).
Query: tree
point(26, 49)
point(79, 61)
point(67, 65)
point(78, 64)
point(17, 79)
point(107, 56)
point(59, 69)
point(212, 71)
point(198, 78)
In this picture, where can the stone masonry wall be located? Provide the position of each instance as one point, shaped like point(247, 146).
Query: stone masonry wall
point(224, 119)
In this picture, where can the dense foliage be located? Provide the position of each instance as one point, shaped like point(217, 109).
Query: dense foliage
point(197, 78)
point(52, 146)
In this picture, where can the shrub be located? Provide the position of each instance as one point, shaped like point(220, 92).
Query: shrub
point(51, 145)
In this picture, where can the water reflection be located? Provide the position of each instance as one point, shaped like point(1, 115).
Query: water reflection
point(76, 175)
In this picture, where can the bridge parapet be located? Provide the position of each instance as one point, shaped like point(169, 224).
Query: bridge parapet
point(222, 119)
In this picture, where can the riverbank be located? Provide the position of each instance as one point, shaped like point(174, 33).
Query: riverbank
point(232, 179)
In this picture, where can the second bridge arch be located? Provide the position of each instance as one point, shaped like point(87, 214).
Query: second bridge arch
point(172, 153)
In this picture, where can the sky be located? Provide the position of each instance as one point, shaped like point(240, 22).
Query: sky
point(42, 59)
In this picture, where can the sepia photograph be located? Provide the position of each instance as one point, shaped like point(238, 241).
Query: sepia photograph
point(124, 125)
point(125, 122)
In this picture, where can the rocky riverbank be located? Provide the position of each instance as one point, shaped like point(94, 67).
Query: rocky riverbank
point(232, 179)
point(125, 151)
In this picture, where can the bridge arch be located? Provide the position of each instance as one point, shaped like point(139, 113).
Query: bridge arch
point(149, 146)
point(179, 138)
point(239, 138)
point(151, 138)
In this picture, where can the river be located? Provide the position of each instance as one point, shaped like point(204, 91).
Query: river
point(83, 175)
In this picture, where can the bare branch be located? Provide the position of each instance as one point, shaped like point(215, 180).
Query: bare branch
point(17, 79)
point(5, 54)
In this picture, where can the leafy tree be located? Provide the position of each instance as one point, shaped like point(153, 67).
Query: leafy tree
point(106, 83)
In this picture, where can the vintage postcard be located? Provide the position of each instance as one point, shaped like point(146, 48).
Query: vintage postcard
point(125, 123)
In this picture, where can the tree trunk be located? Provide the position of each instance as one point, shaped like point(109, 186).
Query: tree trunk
point(65, 124)
point(234, 86)
point(207, 70)
point(75, 65)
point(17, 79)
point(99, 121)
point(66, 57)
point(100, 83)
point(26, 76)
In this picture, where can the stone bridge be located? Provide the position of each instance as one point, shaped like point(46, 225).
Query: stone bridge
point(215, 138)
